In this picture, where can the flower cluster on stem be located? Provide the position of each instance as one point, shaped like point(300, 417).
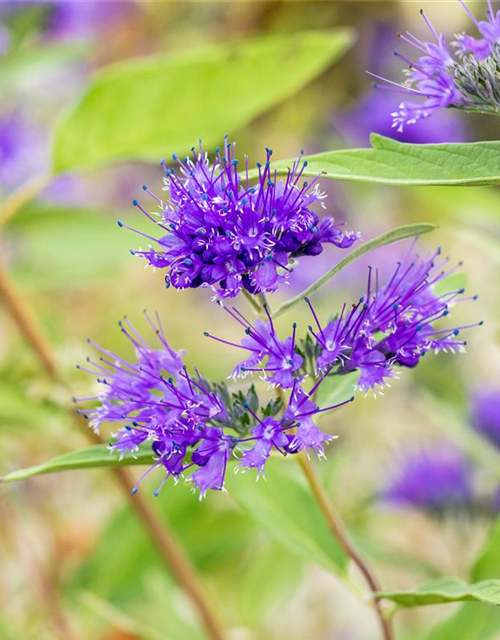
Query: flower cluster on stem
point(217, 229)
point(463, 74)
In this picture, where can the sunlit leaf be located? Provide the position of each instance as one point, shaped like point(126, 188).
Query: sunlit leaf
point(146, 109)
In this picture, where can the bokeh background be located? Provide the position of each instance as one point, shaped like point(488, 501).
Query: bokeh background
point(417, 485)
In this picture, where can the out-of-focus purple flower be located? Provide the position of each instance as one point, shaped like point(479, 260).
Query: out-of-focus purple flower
point(4, 40)
point(24, 155)
point(435, 478)
point(79, 19)
point(370, 116)
point(74, 19)
point(391, 325)
point(189, 423)
point(22, 151)
point(218, 229)
point(447, 77)
point(494, 502)
point(485, 413)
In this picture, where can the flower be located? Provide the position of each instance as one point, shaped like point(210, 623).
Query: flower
point(163, 405)
point(434, 478)
point(282, 362)
point(489, 29)
point(218, 230)
point(485, 413)
point(461, 76)
point(193, 426)
point(391, 325)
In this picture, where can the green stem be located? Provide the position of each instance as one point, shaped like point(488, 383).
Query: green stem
point(338, 530)
point(11, 205)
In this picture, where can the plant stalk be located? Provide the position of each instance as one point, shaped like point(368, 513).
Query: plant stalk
point(338, 530)
point(11, 205)
point(169, 549)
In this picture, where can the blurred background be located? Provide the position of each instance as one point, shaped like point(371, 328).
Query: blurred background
point(415, 472)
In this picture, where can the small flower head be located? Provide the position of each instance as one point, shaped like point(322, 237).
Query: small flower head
point(392, 325)
point(217, 229)
point(278, 361)
point(449, 75)
point(435, 479)
point(485, 414)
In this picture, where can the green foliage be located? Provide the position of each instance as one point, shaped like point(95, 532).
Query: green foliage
point(388, 237)
point(18, 409)
point(22, 68)
point(150, 108)
point(88, 458)
point(336, 389)
point(476, 621)
point(400, 163)
point(59, 246)
point(446, 590)
point(269, 579)
point(287, 511)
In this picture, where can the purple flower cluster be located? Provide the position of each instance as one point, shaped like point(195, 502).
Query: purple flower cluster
point(434, 76)
point(277, 360)
point(218, 230)
point(435, 478)
point(194, 426)
point(485, 414)
point(188, 423)
point(392, 325)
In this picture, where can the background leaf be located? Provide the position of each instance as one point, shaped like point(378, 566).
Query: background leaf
point(145, 109)
point(62, 246)
point(398, 163)
point(476, 621)
point(446, 590)
point(287, 511)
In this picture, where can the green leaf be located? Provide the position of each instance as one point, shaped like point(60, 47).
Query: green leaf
point(24, 68)
point(268, 581)
point(400, 163)
point(446, 590)
point(487, 564)
point(95, 456)
point(287, 511)
point(476, 621)
point(89, 246)
point(388, 237)
point(146, 109)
